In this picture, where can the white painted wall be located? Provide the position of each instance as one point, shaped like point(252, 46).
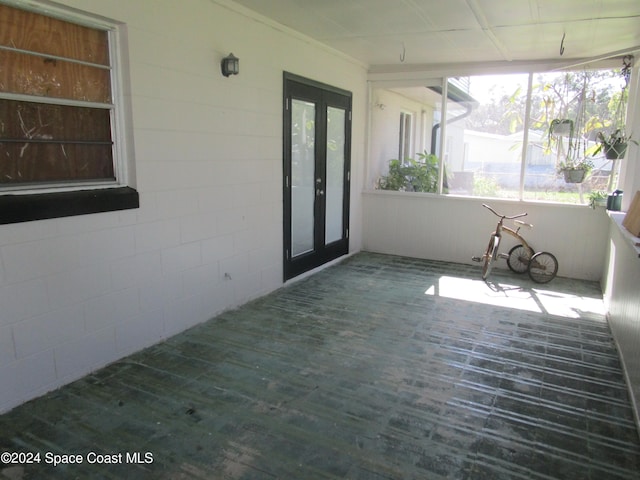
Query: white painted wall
point(621, 278)
point(456, 228)
point(385, 130)
point(77, 293)
point(621, 283)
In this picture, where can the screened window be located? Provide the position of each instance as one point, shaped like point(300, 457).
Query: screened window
point(488, 121)
point(503, 137)
point(515, 146)
point(58, 112)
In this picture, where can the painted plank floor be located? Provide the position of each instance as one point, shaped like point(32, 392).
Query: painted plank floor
point(380, 367)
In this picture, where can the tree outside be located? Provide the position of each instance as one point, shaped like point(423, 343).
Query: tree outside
point(590, 101)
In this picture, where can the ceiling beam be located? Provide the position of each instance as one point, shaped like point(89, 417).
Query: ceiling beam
point(488, 31)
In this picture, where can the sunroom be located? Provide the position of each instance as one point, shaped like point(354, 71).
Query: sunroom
point(213, 257)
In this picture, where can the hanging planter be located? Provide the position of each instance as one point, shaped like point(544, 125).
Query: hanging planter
point(561, 127)
point(575, 171)
point(577, 164)
point(574, 175)
point(614, 146)
point(614, 151)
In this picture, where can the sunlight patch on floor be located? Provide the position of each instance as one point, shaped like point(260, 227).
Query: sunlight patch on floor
point(568, 305)
point(516, 297)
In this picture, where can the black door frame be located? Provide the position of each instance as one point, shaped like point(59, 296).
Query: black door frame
point(324, 96)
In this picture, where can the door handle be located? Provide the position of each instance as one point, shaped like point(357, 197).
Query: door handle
point(319, 192)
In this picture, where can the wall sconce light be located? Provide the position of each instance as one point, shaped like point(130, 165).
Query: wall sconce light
point(230, 65)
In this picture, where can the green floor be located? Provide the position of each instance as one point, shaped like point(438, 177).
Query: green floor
point(378, 368)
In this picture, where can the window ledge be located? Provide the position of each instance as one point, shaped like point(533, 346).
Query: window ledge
point(40, 206)
point(470, 198)
point(618, 218)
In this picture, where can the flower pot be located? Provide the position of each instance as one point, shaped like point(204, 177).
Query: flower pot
point(613, 151)
point(574, 175)
point(614, 201)
point(561, 128)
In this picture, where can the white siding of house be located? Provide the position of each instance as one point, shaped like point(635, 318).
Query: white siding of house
point(385, 131)
point(80, 292)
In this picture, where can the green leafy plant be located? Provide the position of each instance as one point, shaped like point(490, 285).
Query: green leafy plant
point(573, 160)
point(613, 145)
point(572, 164)
point(614, 142)
point(575, 171)
point(597, 197)
point(412, 175)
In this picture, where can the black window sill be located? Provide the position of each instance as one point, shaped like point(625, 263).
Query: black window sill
point(40, 206)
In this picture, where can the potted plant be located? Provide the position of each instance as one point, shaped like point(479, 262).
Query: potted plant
point(561, 127)
point(576, 164)
point(614, 145)
point(598, 198)
point(575, 171)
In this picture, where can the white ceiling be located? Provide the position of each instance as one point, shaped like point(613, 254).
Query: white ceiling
point(405, 33)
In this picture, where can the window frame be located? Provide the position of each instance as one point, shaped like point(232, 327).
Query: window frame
point(406, 136)
point(386, 80)
point(21, 203)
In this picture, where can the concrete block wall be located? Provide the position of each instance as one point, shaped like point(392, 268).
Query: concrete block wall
point(77, 293)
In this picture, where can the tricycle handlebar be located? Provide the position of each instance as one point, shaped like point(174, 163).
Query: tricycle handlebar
point(503, 216)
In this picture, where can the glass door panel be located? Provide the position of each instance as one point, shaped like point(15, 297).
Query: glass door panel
point(335, 174)
point(303, 116)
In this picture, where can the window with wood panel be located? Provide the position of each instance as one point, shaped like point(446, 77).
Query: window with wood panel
point(65, 131)
point(56, 102)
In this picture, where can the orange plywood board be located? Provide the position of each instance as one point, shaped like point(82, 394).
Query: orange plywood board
point(632, 219)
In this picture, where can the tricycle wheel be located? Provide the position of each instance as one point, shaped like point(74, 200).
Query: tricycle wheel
point(490, 256)
point(519, 257)
point(543, 267)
